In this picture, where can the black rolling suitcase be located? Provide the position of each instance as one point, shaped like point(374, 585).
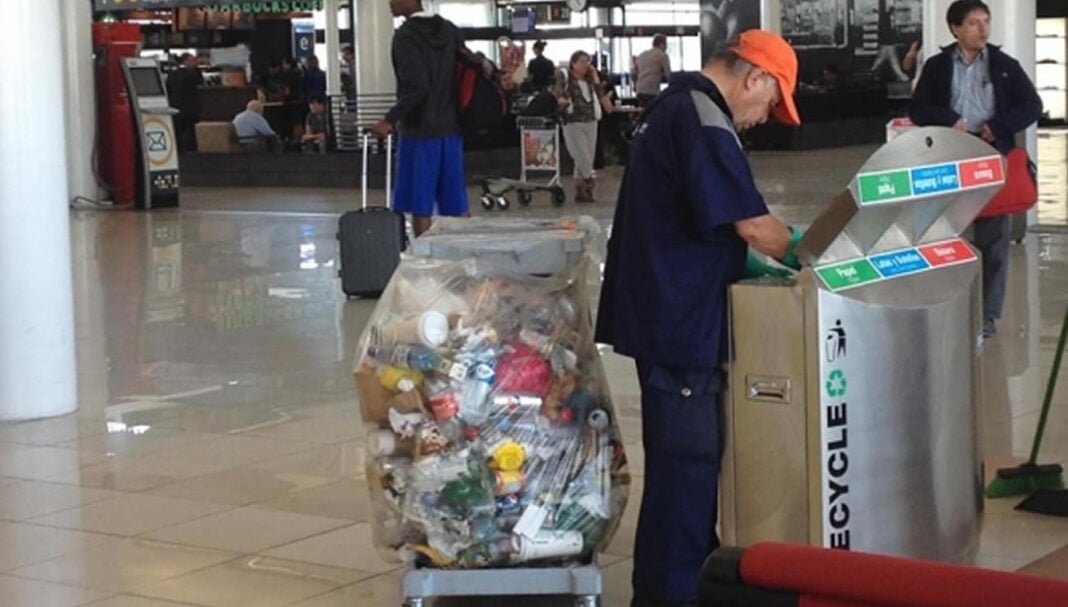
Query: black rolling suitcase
point(370, 239)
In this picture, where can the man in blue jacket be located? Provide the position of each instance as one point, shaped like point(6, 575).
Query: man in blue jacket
point(688, 210)
point(973, 86)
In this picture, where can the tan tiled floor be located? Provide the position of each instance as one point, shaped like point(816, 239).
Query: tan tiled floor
point(217, 457)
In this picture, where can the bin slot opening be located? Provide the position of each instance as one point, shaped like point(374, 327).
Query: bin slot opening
point(768, 389)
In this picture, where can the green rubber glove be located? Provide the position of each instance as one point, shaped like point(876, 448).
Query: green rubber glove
point(755, 268)
point(790, 259)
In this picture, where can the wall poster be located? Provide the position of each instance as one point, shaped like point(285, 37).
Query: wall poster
point(723, 20)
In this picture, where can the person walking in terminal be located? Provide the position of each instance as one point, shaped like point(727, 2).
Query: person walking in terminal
point(580, 94)
point(183, 88)
point(974, 86)
point(430, 151)
point(650, 69)
point(688, 210)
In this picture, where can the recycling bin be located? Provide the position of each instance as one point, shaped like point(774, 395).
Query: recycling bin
point(852, 414)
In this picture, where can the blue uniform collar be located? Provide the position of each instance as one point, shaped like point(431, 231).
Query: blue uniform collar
point(696, 81)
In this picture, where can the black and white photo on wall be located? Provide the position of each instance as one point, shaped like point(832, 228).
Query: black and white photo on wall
point(723, 20)
point(816, 23)
point(868, 38)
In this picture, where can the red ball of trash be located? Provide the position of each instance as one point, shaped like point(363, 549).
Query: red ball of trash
point(523, 370)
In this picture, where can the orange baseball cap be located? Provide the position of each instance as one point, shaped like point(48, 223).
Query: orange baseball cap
point(768, 51)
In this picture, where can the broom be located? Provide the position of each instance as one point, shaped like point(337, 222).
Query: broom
point(1030, 476)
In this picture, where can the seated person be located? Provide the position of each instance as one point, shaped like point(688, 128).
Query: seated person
point(254, 134)
point(316, 126)
point(829, 81)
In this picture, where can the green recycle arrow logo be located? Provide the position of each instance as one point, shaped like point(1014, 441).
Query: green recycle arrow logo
point(836, 384)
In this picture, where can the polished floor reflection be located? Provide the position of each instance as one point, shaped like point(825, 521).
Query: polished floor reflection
point(217, 457)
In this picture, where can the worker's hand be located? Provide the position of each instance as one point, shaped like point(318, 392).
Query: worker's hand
point(961, 125)
point(987, 134)
point(756, 268)
point(563, 101)
point(790, 259)
point(382, 129)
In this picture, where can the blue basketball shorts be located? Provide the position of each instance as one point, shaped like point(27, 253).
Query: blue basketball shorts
point(430, 172)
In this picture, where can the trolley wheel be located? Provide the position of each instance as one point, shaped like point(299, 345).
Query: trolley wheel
point(503, 203)
point(487, 202)
point(525, 197)
point(587, 601)
point(559, 196)
point(414, 602)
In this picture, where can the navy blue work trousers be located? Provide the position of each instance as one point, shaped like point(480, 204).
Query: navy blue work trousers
point(682, 412)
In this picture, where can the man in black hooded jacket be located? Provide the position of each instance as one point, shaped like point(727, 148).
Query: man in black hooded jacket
point(429, 147)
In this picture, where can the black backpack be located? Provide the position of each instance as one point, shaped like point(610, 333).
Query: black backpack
point(543, 103)
point(480, 100)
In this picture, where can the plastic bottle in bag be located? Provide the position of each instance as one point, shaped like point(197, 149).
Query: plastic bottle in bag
point(477, 389)
point(398, 379)
point(443, 400)
point(419, 358)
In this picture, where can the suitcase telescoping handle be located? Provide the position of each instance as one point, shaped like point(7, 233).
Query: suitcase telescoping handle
point(389, 168)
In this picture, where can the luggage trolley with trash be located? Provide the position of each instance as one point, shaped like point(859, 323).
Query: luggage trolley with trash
point(495, 461)
point(539, 146)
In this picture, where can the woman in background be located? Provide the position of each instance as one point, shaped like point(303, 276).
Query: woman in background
point(580, 94)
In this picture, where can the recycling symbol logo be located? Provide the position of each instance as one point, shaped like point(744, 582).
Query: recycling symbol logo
point(836, 384)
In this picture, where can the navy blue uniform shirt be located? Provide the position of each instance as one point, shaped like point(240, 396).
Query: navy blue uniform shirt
point(674, 250)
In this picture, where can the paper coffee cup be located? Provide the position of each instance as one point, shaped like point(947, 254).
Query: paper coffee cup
point(430, 328)
point(382, 442)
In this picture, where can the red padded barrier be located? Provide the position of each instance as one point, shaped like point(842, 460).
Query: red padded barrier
point(838, 578)
point(819, 601)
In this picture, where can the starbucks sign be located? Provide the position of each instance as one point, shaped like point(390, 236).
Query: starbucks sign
point(272, 6)
point(264, 6)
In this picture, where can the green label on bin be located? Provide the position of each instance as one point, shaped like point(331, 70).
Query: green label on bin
point(882, 187)
point(849, 274)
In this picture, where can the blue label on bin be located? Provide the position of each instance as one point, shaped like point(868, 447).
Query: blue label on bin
point(935, 179)
point(905, 261)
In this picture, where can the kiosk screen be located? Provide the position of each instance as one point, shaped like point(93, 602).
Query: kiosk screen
point(146, 81)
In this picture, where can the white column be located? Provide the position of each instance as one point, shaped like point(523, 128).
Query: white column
point(771, 15)
point(37, 373)
point(80, 97)
point(374, 39)
point(1012, 26)
point(332, 62)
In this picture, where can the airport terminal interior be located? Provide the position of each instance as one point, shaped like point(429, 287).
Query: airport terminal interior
point(215, 454)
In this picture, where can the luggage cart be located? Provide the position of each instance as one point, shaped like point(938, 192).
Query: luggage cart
point(539, 146)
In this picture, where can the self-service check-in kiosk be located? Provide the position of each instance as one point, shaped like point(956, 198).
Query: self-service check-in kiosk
point(852, 417)
point(157, 170)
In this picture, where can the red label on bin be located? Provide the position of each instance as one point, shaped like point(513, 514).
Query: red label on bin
point(981, 172)
point(945, 253)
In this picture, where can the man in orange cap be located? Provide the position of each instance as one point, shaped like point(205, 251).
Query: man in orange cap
point(687, 213)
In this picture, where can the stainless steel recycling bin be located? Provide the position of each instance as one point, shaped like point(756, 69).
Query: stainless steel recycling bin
point(852, 418)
